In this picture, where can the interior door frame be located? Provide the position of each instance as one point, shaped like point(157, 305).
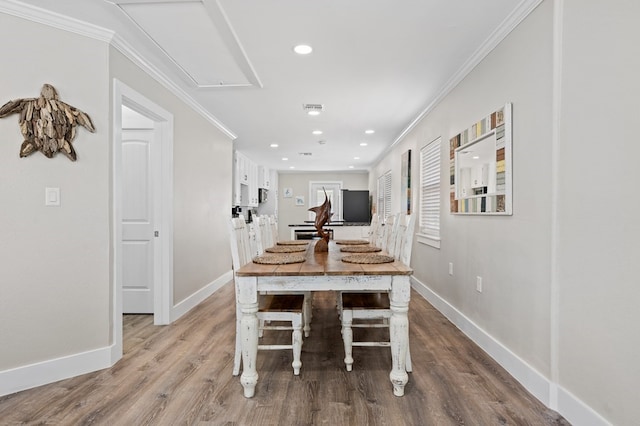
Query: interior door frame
point(163, 218)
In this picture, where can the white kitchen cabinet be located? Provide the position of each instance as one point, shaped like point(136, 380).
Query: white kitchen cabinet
point(242, 168)
point(480, 176)
point(264, 177)
point(253, 184)
point(247, 178)
point(237, 186)
point(350, 232)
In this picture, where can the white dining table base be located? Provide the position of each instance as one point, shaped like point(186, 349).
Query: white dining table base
point(398, 286)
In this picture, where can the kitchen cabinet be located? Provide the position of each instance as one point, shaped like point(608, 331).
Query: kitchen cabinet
point(245, 181)
point(242, 167)
point(236, 190)
point(252, 186)
point(480, 176)
point(264, 177)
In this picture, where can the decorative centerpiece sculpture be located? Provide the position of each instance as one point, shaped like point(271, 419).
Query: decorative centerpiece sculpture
point(323, 214)
point(47, 124)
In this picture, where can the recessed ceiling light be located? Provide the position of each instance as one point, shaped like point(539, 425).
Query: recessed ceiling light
point(369, 132)
point(475, 157)
point(303, 49)
point(313, 112)
point(351, 167)
point(317, 132)
point(292, 167)
point(363, 144)
point(356, 158)
point(274, 145)
point(285, 159)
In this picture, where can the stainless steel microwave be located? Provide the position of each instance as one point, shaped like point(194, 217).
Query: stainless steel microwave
point(262, 195)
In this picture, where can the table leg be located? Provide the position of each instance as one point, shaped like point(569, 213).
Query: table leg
point(399, 332)
point(246, 291)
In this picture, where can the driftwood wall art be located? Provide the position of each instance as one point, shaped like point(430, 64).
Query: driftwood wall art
point(47, 124)
point(323, 214)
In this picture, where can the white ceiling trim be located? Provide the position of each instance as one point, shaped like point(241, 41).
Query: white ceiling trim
point(56, 20)
point(46, 17)
point(512, 21)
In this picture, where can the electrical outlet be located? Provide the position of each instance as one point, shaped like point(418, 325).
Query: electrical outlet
point(450, 268)
point(479, 284)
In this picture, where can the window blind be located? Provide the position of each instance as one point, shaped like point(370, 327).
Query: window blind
point(430, 189)
point(384, 195)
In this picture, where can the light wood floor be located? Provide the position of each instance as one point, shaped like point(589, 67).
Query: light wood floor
point(181, 375)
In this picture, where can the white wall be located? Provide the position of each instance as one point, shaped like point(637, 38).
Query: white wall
point(598, 254)
point(55, 303)
point(289, 213)
point(511, 254)
point(560, 293)
point(54, 290)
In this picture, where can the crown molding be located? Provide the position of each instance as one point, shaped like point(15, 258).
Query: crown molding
point(500, 33)
point(75, 26)
point(56, 20)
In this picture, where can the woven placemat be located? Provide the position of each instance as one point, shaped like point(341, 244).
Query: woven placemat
point(293, 243)
point(352, 242)
point(279, 259)
point(368, 258)
point(360, 249)
point(285, 249)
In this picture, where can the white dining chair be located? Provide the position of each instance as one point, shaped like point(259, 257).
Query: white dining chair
point(273, 225)
point(365, 307)
point(374, 231)
point(271, 307)
point(265, 240)
point(266, 237)
point(389, 232)
point(255, 240)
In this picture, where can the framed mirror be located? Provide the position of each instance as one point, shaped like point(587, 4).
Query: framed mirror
point(481, 166)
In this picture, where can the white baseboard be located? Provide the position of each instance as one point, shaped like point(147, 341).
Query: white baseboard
point(576, 411)
point(570, 407)
point(45, 372)
point(192, 301)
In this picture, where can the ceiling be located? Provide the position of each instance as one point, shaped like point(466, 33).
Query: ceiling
point(376, 64)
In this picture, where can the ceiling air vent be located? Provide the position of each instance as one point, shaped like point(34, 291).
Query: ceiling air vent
point(313, 108)
point(305, 154)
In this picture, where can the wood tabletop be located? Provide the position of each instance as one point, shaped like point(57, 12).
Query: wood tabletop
point(317, 264)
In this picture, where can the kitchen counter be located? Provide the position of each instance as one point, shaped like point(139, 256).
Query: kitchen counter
point(338, 230)
point(312, 224)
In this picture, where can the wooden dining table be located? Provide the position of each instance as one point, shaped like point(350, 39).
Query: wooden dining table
point(324, 272)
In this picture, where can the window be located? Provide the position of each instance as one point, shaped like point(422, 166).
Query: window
point(316, 197)
point(384, 196)
point(430, 160)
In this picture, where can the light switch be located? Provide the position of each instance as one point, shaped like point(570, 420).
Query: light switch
point(52, 196)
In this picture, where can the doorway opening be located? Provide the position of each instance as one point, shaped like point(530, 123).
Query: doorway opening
point(149, 205)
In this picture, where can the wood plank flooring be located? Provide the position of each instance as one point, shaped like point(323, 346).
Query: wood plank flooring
point(181, 375)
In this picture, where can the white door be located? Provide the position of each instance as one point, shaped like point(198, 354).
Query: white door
point(137, 221)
